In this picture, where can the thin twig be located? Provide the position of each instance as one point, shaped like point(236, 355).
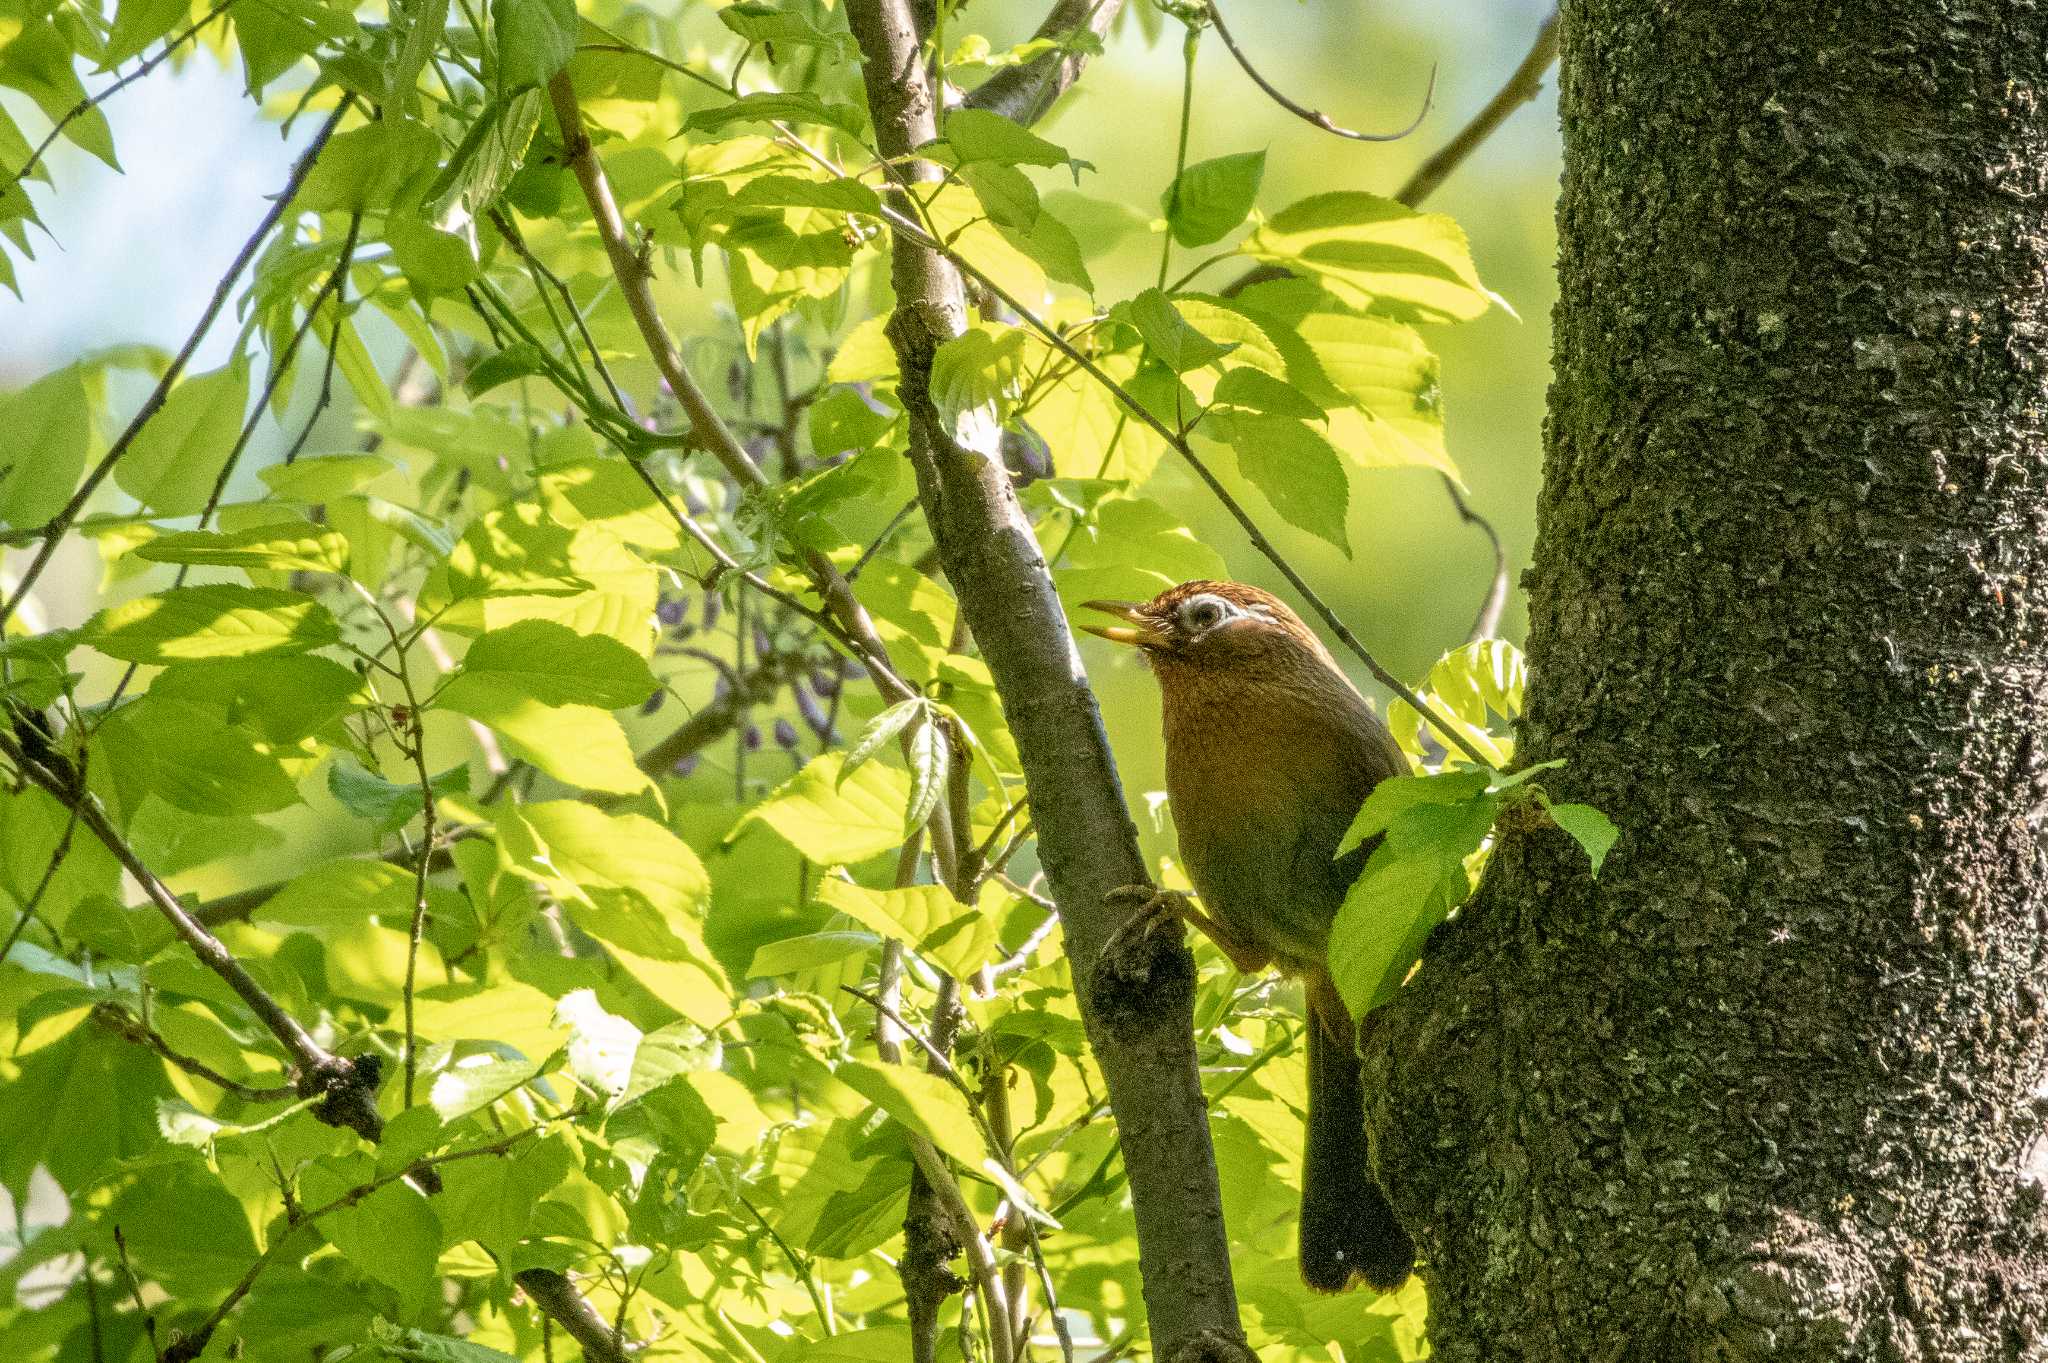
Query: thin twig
point(91, 102)
point(123, 1023)
point(1487, 623)
point(1521, 87)
point(348, 1103)
point(135, 1290)
point(191, 1346)
point(1320, 120)
point(797, 1264)
point(35, 899)
point(55, 530)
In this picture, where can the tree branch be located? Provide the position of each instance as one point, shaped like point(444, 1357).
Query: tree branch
point(347, 1087)
point(1024, 93)
point(55, 530)
point(126, 1025)
point(1086, 839)
point(554, 1294)
point(1521, 87)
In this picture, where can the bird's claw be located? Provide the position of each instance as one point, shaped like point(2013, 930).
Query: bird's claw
point(1152, 909)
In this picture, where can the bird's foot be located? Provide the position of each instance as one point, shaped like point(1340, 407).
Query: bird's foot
point(1151, 909)
point(1140, 965)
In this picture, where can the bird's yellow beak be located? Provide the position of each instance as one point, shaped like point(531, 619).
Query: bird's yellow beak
point(1139, 632)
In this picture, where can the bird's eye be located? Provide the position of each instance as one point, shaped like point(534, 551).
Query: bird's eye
point(1203, 613)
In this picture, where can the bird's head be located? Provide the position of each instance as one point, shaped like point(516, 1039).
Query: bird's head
point(1214, 628)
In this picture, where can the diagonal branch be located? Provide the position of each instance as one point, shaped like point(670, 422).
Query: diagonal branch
point(1523, 85)
point(348, 1087)
point(1024, 93)
point(551, 1290)
point(1086, 838)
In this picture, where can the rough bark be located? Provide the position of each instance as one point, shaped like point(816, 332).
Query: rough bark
point(1769, 1088)
point(1086, 841)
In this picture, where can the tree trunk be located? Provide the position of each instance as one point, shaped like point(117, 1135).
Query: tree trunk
point(1771, 1088)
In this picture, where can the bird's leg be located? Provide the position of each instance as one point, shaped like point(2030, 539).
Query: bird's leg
point(1156, 907)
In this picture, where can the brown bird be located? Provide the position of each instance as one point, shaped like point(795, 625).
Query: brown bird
point(1270, 751)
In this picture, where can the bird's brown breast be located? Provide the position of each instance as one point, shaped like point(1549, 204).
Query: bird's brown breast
point(1265, 774)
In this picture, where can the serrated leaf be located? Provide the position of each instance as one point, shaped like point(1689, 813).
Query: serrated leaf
point(1375, 253)
point(286, 547)
point(217, 621)
point(879, 731)
point(1592, 830)
point(555, 665)
point(843, 195)
point(1209, 199)
point(1296, 467)
point(956, 937)
point(791, 106)
point(923, 1102)
point(388, 804)
point(1396, 794)
point(176, 457)
point(979, 135)
point(833, 823)
point(1167, 334)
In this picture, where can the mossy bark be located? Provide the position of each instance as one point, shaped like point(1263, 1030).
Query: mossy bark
point(1772, 1087)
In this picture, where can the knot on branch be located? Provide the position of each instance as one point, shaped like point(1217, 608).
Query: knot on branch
point(347, 1090)
point(915, 333)
point(1141, 981)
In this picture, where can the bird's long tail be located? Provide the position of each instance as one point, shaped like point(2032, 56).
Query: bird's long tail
point(1347, 1229)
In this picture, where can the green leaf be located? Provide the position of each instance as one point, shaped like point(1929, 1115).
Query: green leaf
point(569, 847)
point(279, 697)
point(176, 457)
point(1258, 391)
point(1049, 243)
point(1006, 193)
point(580, 744)
point(388, 804)
point(1211, 198)
point(187, 754)
point(555, 665)
point(789, 955)
point(319, 478)
point(978, 135)
point(363, 169)
point(1410, 884)
point(879, 731)
point(1397, 794)
point(47, 425)
point(956, 937)
point(1298, 470)
point(184, 1229)
point(217, 621)
point(843, 195)
point(435, 259)
point(759, 23)
point(1593, 830)
point(831, 822)
point(536, 38)
point(792, 106)
point(137, 24)
point(1167, 334)
point(392, 1236)
point(982, 366)
point(287, 547)
point(348, 891)
point(418, 1346)
point(1394, 417)
point(927, 756)
point(477, 1081)
point(1375, 253)
point(923, 1102)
